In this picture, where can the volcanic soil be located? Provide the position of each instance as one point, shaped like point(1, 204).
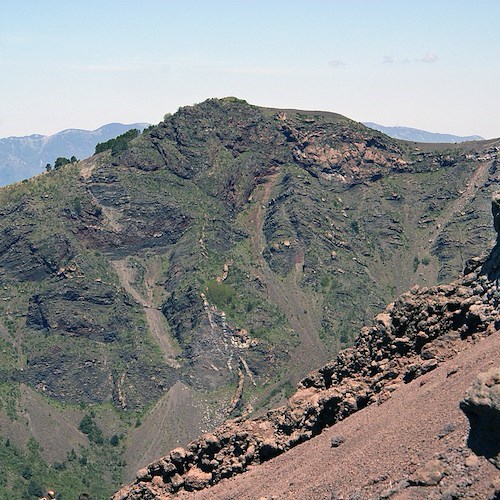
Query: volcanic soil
point(412, 446)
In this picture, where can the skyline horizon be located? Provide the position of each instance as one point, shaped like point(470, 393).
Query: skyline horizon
point(427, 65)
point(132, 122)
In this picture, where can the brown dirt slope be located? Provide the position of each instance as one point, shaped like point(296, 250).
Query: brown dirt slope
point(154, 317)
point(384, 446)
point(164, 426)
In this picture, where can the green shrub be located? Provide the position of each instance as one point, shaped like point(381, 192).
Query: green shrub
point(59, 466)
point(34, 489)
point(250, 306)
point(416, 263)
point(27, 473)
point(220, 294)
point(90, 428)
point(60, 162)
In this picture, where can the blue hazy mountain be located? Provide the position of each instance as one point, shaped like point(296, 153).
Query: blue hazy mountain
point(416, 135)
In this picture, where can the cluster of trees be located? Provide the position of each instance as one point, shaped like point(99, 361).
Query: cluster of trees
point(118, 144)
point(89, 427)
point(60, 162)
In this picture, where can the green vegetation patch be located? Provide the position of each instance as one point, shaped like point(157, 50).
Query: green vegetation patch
point(118, 144)
point(220, 294)
point(91, 430)
point(24, 474)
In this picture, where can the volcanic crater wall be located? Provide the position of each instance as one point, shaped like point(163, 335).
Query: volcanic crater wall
point(411, 337)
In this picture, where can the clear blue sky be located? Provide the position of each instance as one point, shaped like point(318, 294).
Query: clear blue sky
point(431, 64)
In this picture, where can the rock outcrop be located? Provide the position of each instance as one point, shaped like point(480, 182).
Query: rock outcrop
point(482, 407)
point(420, 330)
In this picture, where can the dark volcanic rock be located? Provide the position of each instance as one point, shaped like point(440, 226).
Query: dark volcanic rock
point(138, 222)
point(482, 407)
point(495, 208)
point(68, 376)
point(77, 309)
point(65, 376)
point(25, 259)
point(492, 265)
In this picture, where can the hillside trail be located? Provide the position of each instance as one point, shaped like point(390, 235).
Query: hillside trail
point(87, 166)
point(297, 307)
point(477, 179)
point(154, 317)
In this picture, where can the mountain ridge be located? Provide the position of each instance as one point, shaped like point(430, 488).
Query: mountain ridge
point(24, 156)
point(418, 135)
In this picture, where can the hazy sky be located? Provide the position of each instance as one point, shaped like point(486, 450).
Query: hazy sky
point(430, 64)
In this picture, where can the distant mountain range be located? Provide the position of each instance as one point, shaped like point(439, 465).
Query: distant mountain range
point(23, 157)
point(416, 135)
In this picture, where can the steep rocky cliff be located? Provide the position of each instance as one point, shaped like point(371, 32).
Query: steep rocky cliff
point(411, 337)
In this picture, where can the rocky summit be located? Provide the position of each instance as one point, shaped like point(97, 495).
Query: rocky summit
point(199, 271)
point(414, 335)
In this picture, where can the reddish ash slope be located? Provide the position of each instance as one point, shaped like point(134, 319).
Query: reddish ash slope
point(386, 447)
point(424, 329)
